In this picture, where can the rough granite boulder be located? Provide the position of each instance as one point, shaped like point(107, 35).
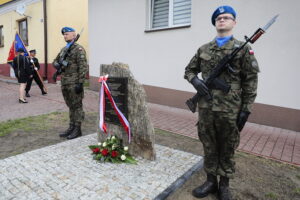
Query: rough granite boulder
point(142, 131)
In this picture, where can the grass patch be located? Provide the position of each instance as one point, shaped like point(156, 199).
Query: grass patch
point(164, 132)
point(271, 195)
point(86, 83)
point(44, 123)
point(259, 179)
point(297, 191)
point(266, 161)
point(29, 124)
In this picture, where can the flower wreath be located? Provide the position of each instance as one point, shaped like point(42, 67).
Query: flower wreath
point(112, 150)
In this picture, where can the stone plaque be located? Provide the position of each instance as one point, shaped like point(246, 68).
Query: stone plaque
point(131, 99)
point(118, 87)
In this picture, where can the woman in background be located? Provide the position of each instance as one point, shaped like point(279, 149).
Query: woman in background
point(23, 72)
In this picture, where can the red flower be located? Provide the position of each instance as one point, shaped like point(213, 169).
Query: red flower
point(104, 152)
point(114, 154)
point(96, 150)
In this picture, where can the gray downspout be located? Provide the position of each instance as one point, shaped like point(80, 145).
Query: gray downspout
point(45, 37)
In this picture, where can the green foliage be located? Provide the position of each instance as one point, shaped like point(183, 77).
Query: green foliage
point(112, 150)
point(259, 179)
point(297, 191)
point(86, 83)
point(271, 195)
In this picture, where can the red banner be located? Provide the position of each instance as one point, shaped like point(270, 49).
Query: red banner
point(12, 53)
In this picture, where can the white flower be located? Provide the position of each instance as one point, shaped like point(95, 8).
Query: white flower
point(123, 157)
point(104, 144)
point(99, 144)
point(113, 137)
point(125, 148)
point(113, 146)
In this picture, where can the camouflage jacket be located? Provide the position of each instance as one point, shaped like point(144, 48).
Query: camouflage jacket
point(77, 67)
point(243, 82)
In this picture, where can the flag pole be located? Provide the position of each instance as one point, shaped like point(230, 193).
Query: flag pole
point(44, 87)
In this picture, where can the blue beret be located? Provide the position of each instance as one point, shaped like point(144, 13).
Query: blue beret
point(67, 29)
point(221, 10)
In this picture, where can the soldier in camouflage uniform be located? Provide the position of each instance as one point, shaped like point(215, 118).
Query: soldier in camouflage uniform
point(223, 117)
point(72, 79)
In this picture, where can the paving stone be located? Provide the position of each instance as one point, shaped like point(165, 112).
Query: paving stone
point(56, 172)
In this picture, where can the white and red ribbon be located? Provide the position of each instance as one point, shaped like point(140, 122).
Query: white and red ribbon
point(104, 90)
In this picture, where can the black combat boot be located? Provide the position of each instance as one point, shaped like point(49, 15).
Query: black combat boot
point(75, 133)
point(209, 186)
point(224, 193)
point(68, 131)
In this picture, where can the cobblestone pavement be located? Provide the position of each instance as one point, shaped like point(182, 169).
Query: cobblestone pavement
point(38, 104)
point(67, 171)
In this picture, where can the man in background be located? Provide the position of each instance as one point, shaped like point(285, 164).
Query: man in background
point(36, 66)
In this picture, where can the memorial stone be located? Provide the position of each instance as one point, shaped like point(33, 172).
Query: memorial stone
point(130, 98)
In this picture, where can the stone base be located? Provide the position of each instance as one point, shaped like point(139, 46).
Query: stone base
point(67, 171)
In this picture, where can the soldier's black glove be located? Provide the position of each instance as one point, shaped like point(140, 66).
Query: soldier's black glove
point(56, 65)
point(78, 88)
point(242, 119)
point(200, 86)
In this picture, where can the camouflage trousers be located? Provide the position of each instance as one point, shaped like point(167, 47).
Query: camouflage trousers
point(220, 137)
point(74, 102)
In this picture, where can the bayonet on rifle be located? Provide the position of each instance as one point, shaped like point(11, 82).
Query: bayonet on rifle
point(224, 65)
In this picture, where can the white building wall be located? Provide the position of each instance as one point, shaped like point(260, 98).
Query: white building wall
point(159, 58)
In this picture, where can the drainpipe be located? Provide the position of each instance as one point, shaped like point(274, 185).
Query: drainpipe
point(45, 37)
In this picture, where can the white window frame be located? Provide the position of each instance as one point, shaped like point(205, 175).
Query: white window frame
point(23, 31)
point(170, 17)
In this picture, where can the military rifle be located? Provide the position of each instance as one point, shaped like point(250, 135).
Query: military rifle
point(213, 82)
point(62, 62)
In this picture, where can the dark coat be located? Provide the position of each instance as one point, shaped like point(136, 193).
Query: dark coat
point(22, 68)
point(36, 63)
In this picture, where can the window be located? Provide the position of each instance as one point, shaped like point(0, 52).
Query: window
point(1, 37)
point(170, 13)
point(23, 31)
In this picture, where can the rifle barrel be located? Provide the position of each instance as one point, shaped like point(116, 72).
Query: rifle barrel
point(256, 35)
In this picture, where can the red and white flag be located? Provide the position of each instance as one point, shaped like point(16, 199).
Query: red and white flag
point(104, 90)
point(12, 53)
